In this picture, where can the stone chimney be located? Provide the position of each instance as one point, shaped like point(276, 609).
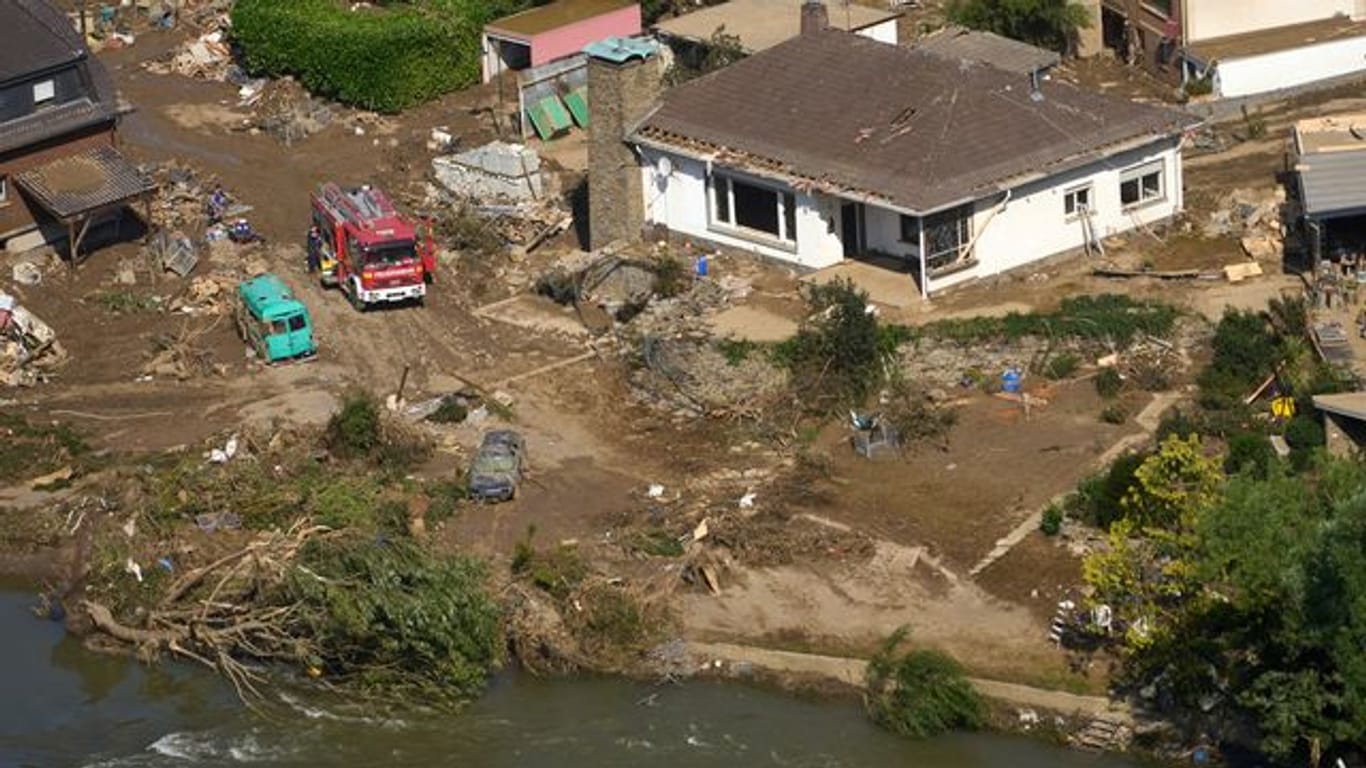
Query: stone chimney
point(815, 16)
point(624, 80)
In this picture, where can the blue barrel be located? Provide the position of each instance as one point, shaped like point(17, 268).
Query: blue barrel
point(1010, 381)
point(702, 265)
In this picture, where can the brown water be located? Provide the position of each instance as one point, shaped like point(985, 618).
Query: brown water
point(63, 706)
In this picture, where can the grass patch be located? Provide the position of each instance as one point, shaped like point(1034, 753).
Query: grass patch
point(1107, 317)
point(30, 450)
point(124, 302)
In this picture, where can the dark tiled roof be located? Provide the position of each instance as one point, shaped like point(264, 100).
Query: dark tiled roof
point(916, 130)
point(36, 36)
point(84, 182)
point(963, 44)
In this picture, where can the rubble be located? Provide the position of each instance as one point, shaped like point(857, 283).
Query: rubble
point(206, 57)
point(29, 349)
point(497, 171)
point(1256, 218)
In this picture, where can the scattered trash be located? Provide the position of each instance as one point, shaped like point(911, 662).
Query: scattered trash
point(27, 273)
point(59, 476)
point(747, 501)
point(166, 564)
point(225, 454)
point(217, 521)
point(709, 576)
point(130, 528)
point(29, 349)
point(655, 491)
point(133, 568)
point(174, 252)
point(700, 532)
point(1236, 273)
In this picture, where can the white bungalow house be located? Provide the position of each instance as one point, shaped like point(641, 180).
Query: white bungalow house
point(831, 146)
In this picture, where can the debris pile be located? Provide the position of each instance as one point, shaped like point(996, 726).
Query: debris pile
point(691, 378)
point(497, 171)
point(207, 57)
point(286, 111)
point(29, 349)
point(1256, 218)
point(182, 356)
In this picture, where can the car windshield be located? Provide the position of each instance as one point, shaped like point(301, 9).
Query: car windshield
point(390, 254)
point(296, 323)
point(495, 463)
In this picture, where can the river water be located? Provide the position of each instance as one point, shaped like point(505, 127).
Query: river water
point(61, 705)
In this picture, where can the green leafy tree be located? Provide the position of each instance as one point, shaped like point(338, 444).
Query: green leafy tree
point(920, 693)
point(1053, 24)
point(840, 354)
point(720, 51)
point(1173, 485)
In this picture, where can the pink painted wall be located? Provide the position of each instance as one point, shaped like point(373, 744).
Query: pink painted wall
point(571, 39)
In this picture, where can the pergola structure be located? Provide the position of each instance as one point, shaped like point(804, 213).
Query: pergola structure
point(79, 189)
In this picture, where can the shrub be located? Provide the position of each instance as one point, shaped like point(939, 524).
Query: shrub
point(1052, 24)
point(1061, 366)
point(736, 351)
point(1176, 422)
point(384, 58)
point(920, 693)
point(838, 356)
point(1108, 383)
point(671, 276)
point(1114, 414)
point(1250, 453)
point(1051, 524)
point(1304, 432)
point(451, 411)
point(354, 431)
point(1245, 352)
point(1099, 498)
point(1108, 317)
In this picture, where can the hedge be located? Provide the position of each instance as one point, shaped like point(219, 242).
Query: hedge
point(385, 58)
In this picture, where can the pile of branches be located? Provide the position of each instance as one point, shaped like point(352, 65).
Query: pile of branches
point(225, 611)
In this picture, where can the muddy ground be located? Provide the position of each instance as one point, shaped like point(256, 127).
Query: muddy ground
point(928, 518)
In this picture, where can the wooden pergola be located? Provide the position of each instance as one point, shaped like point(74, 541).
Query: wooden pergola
point(79, 189)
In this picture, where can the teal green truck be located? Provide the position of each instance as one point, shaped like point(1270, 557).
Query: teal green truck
point(272, 322)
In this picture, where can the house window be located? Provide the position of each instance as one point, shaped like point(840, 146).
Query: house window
point(910, 229)
point(755, 207)
point(947, 233)
point(4, 190)
point(1140, 185)
point(1077, 201)
point(1162, 8)
point(44, 92)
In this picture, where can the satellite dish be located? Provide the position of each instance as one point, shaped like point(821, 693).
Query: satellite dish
point(664, 166)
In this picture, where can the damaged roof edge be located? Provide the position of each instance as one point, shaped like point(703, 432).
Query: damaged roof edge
point(635, 136)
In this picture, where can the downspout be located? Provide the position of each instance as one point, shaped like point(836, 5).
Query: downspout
point(924, 273)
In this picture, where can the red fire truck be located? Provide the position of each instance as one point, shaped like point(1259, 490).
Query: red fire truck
point(367, 249)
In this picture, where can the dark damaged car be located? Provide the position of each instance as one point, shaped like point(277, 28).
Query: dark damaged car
point(496, 471)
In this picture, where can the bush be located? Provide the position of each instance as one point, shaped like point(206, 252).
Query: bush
point(1250, 453)
point(671, 276)
point(1051, 524)
point(385, 58)
point(838, 356)
point(1061, 366)
point(1304, 432)
point(1176, 422)
point(1052, 24)
point(1108, 317)
point(359, 431)
point(451, 411)
point(1114, 414)
point(1245, 352)
point(1098, 499)
point(920, 693)
point(1109, 383)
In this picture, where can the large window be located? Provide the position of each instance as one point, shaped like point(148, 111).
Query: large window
point(1077, 201)
point(1162, 8)
point(947, 233)
point(753, 207)
point(1141, 185)
point(44, 91)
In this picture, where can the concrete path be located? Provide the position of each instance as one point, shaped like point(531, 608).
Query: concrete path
point(1148, 419)
point(851, 672)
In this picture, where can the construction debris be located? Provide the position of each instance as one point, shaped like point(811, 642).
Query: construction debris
point(1256, 218)
point(173, 252)
point(497, 171)
point(207, 57)
point(29, 349)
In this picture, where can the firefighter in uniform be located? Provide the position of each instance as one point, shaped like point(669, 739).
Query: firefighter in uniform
point(315, 249)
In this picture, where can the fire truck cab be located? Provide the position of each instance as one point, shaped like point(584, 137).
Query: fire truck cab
point(367, 249)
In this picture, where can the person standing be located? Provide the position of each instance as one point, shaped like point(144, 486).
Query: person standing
point(315, 249)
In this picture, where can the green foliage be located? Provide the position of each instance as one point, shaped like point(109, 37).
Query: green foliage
point(1246, 351)
point(1098, 499)
point(1177, 422)
point(1199, 86)
point(1305, 435)
point(657, 544)
point(840, 354)
point(1061, 366)
point(720, 51)
point(29, 450)
point(358, 430)
point(1052, 24)
point(1115, 413)
point(1251, 453)
point(736, 351)
point(451, 411)
point(920, 693)
point(1173, 485)
point(611, 620)
point(1109, 383)
point(391, 616)
point(558, 570)
point(1051, 523)
point(385, 58)
point(1108, 317)
point(124, 302)
point(671, 275)
point(909, 410)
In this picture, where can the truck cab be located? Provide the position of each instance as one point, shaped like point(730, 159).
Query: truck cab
point(272, 322)
point(367, 249)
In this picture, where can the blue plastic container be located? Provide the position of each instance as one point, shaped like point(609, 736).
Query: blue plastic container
point(1010, 381)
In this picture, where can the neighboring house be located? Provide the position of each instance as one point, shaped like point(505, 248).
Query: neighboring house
point(59, 168)
point(1344, 422)
point(1329, 157)
point(832, 146)
point(762, 24)
point(553, 31)
point(1243, 47)
point(962, 44)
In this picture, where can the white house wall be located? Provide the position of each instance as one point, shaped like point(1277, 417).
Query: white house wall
point(680, 203)
point(1289, 68)
point(883, 32)
point(1206, 19)
point(1033, 225)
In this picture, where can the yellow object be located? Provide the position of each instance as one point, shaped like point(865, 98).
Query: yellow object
point(1283, 407)
point(315, 672)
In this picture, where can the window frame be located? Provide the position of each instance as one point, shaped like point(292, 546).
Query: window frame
point(721, 210)
point(1069, 199)
point(1139, 175)
point(910, 230)
point(964, 215)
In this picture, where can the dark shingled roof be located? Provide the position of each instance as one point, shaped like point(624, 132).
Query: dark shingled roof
point(905, 126)
point(78, 184)
point(37, 38)
point(963, 44)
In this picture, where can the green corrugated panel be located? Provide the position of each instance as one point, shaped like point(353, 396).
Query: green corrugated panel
point(577, 101)
point(549, 118)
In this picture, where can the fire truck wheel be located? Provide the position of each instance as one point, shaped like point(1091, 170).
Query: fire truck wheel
point(354, 296)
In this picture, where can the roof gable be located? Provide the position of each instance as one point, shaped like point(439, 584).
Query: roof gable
point(37, 38)
point(913, 128)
